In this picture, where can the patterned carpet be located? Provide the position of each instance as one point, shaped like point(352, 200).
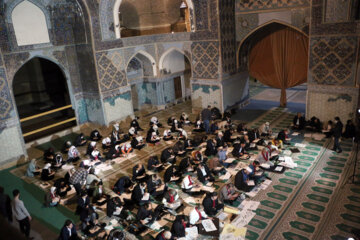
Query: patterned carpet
point(299, 204)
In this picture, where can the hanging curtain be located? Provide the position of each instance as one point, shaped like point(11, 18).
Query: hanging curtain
point(280, 60)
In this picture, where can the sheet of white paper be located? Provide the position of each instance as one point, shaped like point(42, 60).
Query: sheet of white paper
point(295, 133)
point(230, 160)
point(146, 197)
point(267, 182)
point(67, 167)
point(300, 145)
point(113, 221)
point(208, 225)
point(287, 152)
point(278, 169)
point(155, 226)
point(265, 165)
point(226, 176)
point(209, 184)
point(307, 135)
point(251, 183)
point(208, 189)
point(243, 219)
point(222, 216)
point(192, 233)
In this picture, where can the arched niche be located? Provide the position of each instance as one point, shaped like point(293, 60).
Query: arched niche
point(29, 24)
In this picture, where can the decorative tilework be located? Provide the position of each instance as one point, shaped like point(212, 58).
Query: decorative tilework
point(332, 60)
point(249, 5)
point(337, 10)
point(5, 98)
point(227, 31)
point(205, 59)
point(110, 69)
point(245, 23)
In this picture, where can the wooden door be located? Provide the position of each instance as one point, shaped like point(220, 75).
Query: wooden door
point(177, 86)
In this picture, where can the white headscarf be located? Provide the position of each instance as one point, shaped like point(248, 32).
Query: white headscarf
point(93, 144)
point(95, 153)
point(139, 138)
point(47, 166)
point(52, 190)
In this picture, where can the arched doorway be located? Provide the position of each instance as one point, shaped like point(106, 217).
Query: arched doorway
point(277, 56)
point(175, 64)
point(42, 99)
point(141, 67)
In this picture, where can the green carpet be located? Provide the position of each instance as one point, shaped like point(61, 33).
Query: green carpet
point(33, 198)
point(58, 143)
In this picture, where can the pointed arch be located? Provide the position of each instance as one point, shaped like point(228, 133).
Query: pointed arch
point(167, 52)
point(259, 28)
point(148, 57)
point(29, 23)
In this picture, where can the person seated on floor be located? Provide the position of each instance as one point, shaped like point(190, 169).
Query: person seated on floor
point(68, 231)
point(278, 143)
point(114, 152)
point(168, 156)
point(137, 142)
point(189, 146)
point(172, 200)
point(328, 129)
point(350, 130)
point(66, 147)
point(216, 167)
point(265, 130)
point(283, 136)
point(115, 137)
point(241, 128)
point(314, 124)
point(198, 158)
point(170, 120)
point(114, 208)
point(106, 143)
point(197, 215)
point(242, 180)
point(164, 235)
point(99, 195)
point(254, 135)
point(139, 173)
point(90, 226)
point(228, 194)
point(154, 121)
point(204, 174)
point(298, 122)
point(185, 165)
point(32, 169)
point(140, 195)
point(214, 127)
point(211, 204)
point(91, 181)
point(182, 135)
point(96, 155)
point(265, 155)
point(222, 157)
point(178, 227)
point(145, 215)
point(51, 198)
point(248, 144)
point(73, 154)
point(135, 124)
point(155, 186)
point(239, 150)
point(219, 139)
point(46, 173)
point(95, 135)
point(167, 135)
point(199, 126)
point(90, 148)
point(80, 140)
point(132, 132)
point(49, 155)
point(171, 175)
point(122, 185)
point(154, 164)
point(228, 134)
point(179, 149)
point(58, 161)
point(189, 186)
point(126, 149)
point(210, 147)
point(184, 119)
point(62, 187)
point(152, 137)
point(176, 126)
point(256, 174)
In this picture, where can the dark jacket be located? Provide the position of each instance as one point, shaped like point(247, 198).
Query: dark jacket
point(282, 136)
point(137, 173)
point(254, 134)
point(152, 162)
point(170, 172)
point(200, 175)
point(165, 155)
point(65, 235)
point(239, 181)
point(208, 206)
point(337, 130)
point(137, 195)
point(178, 229)
point(301, 121)
point(210, 148)
point(236, 151)
point(122, 184)
point(111, 207)
point(82, 207)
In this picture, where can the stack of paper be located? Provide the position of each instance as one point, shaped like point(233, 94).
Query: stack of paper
point(265, 165)
point(231, 232)
point(243, 219)
point(253, 192)
point(208, 225)
point(191, 233)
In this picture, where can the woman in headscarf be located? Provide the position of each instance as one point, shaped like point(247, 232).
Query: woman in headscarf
point(73, 154)
point(32, 169)
point(46, 173)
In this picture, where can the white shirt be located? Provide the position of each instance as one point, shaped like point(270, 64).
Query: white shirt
point(194, 216)
point(186, 182)
point(203, 171)
point(154, 120)
point(167, 132)
point(106, 140)
point(131, 130)
point(69, 229)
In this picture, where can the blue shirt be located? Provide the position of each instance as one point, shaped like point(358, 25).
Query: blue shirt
point(245, 176)
point(222, 155)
